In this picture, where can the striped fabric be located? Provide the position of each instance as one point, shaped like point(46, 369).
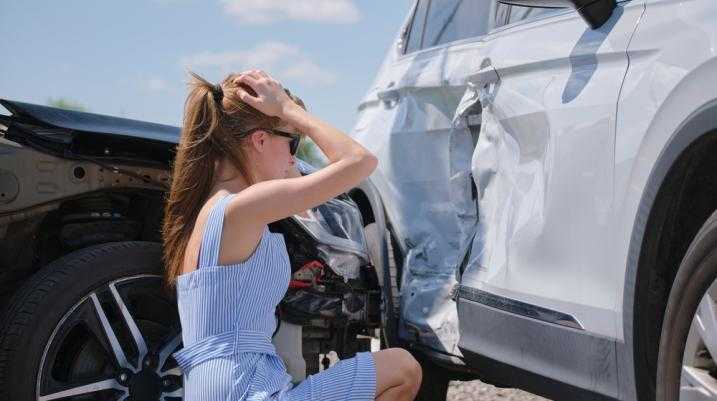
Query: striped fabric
point(227, 318)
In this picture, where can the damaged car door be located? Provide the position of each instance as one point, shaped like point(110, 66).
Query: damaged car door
point(406, 119)
point(536, 288)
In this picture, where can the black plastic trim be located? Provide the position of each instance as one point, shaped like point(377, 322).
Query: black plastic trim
point(504, 375)
point(556, 361)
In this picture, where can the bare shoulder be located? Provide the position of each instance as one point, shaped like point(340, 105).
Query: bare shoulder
point(240, 210)
point(261, 203)
point(241, 232)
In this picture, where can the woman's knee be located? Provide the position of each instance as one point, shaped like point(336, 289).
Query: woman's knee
point(396, 367)
point(410, 368)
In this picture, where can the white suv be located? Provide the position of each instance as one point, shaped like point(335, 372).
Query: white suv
point(549, 175)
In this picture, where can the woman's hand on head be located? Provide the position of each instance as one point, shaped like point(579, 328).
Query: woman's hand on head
point(270, 99)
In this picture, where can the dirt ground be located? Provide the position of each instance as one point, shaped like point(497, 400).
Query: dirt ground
point(478, 391)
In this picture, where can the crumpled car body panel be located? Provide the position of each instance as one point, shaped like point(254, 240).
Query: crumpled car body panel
point(424, 177)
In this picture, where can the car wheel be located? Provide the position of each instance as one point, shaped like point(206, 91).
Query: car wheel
point(434, 386)
point(93, 325)
point(686, 368)
point(381, 252)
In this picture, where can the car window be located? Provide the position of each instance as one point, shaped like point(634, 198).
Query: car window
point(414, 35)
point(451, 20)
point(508, 14)
point(500, 15)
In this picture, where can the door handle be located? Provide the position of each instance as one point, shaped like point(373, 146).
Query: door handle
point(485, 76)
point(388, 95)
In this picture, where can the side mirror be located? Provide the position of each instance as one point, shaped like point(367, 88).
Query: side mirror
point(594, 12)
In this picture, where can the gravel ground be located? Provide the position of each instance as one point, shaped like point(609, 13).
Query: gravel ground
point(476, 390)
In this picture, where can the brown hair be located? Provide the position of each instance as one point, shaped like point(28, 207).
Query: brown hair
point(212, 128)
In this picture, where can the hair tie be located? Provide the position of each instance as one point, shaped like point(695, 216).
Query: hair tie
point(217, 92)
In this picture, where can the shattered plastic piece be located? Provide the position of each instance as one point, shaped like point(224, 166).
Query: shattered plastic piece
point(338, 228)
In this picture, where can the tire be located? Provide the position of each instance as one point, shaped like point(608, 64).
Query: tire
point(434, 386)
point(66, 326)
point(390, 297)
point(693, 295)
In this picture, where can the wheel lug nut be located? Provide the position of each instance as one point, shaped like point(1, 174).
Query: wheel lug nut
point(166, 382)
point(123, 377)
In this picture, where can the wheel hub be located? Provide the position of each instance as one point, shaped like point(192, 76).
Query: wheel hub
point(145, 385)
point(141, 354)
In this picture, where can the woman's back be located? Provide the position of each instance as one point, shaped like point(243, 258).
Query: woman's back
point(227, 311)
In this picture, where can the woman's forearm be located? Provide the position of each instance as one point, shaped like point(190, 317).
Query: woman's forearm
point(335, 144)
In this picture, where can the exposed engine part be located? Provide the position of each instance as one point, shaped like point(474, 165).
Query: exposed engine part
point(310, 273)
point(331, 309)
point(300, 306)
point(317, 293)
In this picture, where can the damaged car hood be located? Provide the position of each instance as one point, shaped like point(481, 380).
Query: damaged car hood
point(53, 117)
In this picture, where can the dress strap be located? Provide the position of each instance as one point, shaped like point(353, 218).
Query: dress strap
point(212, 236)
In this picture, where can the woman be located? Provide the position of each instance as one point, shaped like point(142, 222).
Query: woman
point(230, 179)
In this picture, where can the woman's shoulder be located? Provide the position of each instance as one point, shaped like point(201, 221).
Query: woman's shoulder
point(242, 230)
point(249, 204)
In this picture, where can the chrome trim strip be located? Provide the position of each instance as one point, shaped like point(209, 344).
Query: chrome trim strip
point(517, 307)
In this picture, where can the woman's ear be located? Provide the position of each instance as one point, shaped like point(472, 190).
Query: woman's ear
point(258, 140)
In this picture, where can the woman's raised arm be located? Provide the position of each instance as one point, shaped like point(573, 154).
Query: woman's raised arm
point(272, 200)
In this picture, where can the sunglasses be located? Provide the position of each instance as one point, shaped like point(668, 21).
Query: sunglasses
point(293, 144)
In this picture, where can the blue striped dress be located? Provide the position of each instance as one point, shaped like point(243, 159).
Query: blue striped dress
point(227, 318)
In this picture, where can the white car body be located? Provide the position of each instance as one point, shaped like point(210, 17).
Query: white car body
point(568, 134)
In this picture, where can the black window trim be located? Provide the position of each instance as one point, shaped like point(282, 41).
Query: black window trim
point(556, 13)
point(410, 28)
point(406, 33)
point(423, 27)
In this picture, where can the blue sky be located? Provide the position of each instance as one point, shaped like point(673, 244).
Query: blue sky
point(129, 58)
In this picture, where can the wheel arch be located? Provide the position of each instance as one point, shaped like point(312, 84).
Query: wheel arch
point(676, 200)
